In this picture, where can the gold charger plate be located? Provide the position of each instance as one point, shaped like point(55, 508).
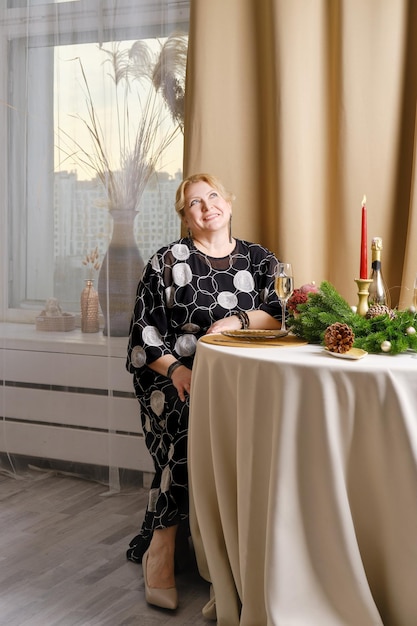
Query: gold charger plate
point(255, 335)
point(288, 341)
point(354, 354)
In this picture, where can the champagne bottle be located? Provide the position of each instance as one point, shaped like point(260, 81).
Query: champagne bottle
point(378, 292)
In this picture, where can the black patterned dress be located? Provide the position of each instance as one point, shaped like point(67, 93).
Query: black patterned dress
point(182, 292)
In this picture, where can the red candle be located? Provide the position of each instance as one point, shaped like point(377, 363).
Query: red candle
point(364, 243)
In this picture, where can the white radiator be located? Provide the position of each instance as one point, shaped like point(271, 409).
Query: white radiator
point(68, 396)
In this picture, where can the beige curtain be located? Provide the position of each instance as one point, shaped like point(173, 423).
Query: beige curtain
point(302, 107)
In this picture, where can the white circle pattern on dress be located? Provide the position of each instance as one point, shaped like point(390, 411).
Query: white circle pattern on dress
point(180, 251)
point(227, 300)
point(154, 262)
point(138, 356)
point(151, 336)
point(182, 274)
point(186, 345)
point(190, 328)
point(244, 281)
point(157, 401)
point(165, 479)
point(169, 296)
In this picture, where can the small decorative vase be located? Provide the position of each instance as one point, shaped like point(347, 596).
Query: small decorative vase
point(119, 275)
point(89, 308)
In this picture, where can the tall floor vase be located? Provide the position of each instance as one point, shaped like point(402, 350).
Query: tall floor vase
point(119, 275)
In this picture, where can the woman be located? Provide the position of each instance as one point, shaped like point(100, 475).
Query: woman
point(207, 282)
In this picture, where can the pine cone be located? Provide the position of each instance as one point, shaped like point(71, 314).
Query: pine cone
point(380, 309)
point(338, 338)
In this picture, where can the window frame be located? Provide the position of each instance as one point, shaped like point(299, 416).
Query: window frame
point(70, 22)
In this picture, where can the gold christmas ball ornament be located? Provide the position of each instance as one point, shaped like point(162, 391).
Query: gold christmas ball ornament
point(339, 338)
point(386, 346)
point(380, 309)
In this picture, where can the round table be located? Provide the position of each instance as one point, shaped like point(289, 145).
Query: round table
point(303, 476)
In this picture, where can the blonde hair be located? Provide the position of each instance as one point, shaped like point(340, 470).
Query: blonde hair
point(210, 179)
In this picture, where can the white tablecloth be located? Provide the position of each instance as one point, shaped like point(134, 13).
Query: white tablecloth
point(303, 474)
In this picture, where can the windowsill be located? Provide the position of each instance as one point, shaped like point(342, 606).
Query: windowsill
point(25, 337)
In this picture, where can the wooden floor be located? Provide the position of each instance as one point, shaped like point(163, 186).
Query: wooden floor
point(62, 557)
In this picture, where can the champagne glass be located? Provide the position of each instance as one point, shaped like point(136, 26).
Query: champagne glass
point(284, 286)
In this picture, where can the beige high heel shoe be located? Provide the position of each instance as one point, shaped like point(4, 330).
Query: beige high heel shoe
point(164, 598)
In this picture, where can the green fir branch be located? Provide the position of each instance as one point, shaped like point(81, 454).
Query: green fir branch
point(323, 308)
point(327, 307)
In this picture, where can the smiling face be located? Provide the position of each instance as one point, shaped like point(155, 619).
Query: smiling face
point(205, 210)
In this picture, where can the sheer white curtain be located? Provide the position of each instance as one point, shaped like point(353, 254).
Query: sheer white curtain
point(73, 106)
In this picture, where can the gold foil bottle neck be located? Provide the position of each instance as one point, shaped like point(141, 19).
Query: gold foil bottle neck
point(376, 248)
point(376, 243)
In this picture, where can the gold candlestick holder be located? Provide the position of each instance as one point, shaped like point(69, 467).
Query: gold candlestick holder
point(363, 293)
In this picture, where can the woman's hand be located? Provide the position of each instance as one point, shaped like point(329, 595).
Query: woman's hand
point(257, 320)
point(227, 323)
point(181, 379)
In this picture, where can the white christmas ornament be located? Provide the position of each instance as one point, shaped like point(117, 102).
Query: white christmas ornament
point(386, 346)
point(410, 330)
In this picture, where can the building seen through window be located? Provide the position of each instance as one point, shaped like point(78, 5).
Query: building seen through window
point(59, 62)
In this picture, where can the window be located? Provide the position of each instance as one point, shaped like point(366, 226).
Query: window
point(56, 208)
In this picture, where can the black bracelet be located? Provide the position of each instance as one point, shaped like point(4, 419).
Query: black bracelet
point(244, 319)
point(172, 368)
